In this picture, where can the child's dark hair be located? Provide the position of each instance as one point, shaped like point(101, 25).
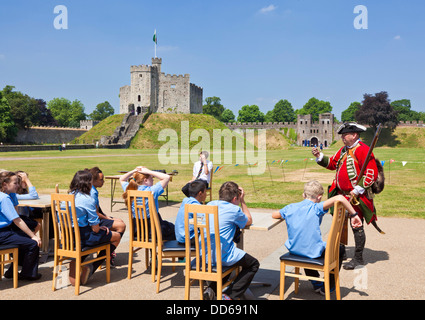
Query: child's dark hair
point(81, 182)
point(195, 187)
point(228, 191)
point(95, 172)
point(5, 177)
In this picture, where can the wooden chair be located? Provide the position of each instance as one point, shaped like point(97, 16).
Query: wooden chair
point(171, 249)
point(209, 189)
point(205, 219)
point(329, 264)
point(140, 227)
point(12, 251)
point(67, 239)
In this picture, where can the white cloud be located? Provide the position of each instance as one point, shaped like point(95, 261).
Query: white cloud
point(268, 9)
point(398, 37)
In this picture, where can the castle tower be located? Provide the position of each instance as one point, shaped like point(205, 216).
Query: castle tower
point(156, 91)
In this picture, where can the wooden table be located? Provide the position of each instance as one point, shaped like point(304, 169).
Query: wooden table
point(44, 203)
point(114, 179)
point(262, 221)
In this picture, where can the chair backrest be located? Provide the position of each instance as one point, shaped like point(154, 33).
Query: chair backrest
point(211, 178)
point(64, 214)
point(207, 243)
point(142, 228)
point(334, 236)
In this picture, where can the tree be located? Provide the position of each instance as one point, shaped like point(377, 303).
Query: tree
point(282, 112)
point(8, 129)
point(250, 114)
point(23, 108)
point(67, 113)
point(102, 111)
point(349, 114)
point(227, 116)
point(315, 107)
point(376, 109)
point(213, 107)
point(27, 111)
point(405, 113)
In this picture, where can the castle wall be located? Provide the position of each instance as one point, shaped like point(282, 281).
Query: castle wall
point(42, 135)
point(174, 94)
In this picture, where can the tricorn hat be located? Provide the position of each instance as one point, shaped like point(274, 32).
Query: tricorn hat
point(351, 127)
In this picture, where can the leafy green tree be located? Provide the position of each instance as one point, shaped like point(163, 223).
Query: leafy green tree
point(213, 107)
point(315, 107)
point(403, 107)
point(8, 129)
point(27, 111)
point(376, 109)
point(250, 114)
point(349, 113)
point(283, 112)
point(67, 113)
point(227, 116)
point(102, 111)
point(24, 109)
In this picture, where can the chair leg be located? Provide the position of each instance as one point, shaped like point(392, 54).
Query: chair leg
point(187, 286)
point(220, 290)
point(147, 258)
point(297, 280)
point(1, 266)
point(201, 288)
point(108, 264)
point(158, 279)
point(337, 287)
point(153, 265)
point(55, 271)
point(282, 280)
point(327, 286)
point(77, 275)
point(15, 268)
point(130, 263)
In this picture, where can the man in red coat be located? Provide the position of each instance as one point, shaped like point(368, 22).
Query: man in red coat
point(348, 162)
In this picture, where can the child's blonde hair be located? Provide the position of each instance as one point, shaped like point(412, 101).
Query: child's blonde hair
point(312, 189)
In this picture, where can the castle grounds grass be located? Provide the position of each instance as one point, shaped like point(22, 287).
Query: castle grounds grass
point(276, 187)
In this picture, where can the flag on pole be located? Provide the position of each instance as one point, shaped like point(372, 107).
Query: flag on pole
point(155, 38)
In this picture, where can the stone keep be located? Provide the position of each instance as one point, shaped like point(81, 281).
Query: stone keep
point(156, 91)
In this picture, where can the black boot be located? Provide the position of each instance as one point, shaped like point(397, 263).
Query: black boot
point(360, 241)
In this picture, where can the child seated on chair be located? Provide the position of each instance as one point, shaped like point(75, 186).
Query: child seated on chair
point(303, 221)
point(231, 217)
point(197, 195)
point(114, 224)
point(21, 236)
point(141, 178)
point(91, 232)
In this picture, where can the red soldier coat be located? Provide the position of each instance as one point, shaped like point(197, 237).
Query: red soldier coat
point(348, 163)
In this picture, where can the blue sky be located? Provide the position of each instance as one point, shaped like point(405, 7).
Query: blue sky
point(243, 51)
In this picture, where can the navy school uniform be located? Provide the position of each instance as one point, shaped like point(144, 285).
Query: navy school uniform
point(28, 248)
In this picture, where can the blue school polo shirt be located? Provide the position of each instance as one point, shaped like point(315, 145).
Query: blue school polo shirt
point(156, 190)
point(179, 225)
point(230, 216)
point(95, 195)
point(85, 208)
point(7, 210)
point(303, 221)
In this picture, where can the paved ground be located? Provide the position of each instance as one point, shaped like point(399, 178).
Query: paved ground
point(393, 271)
